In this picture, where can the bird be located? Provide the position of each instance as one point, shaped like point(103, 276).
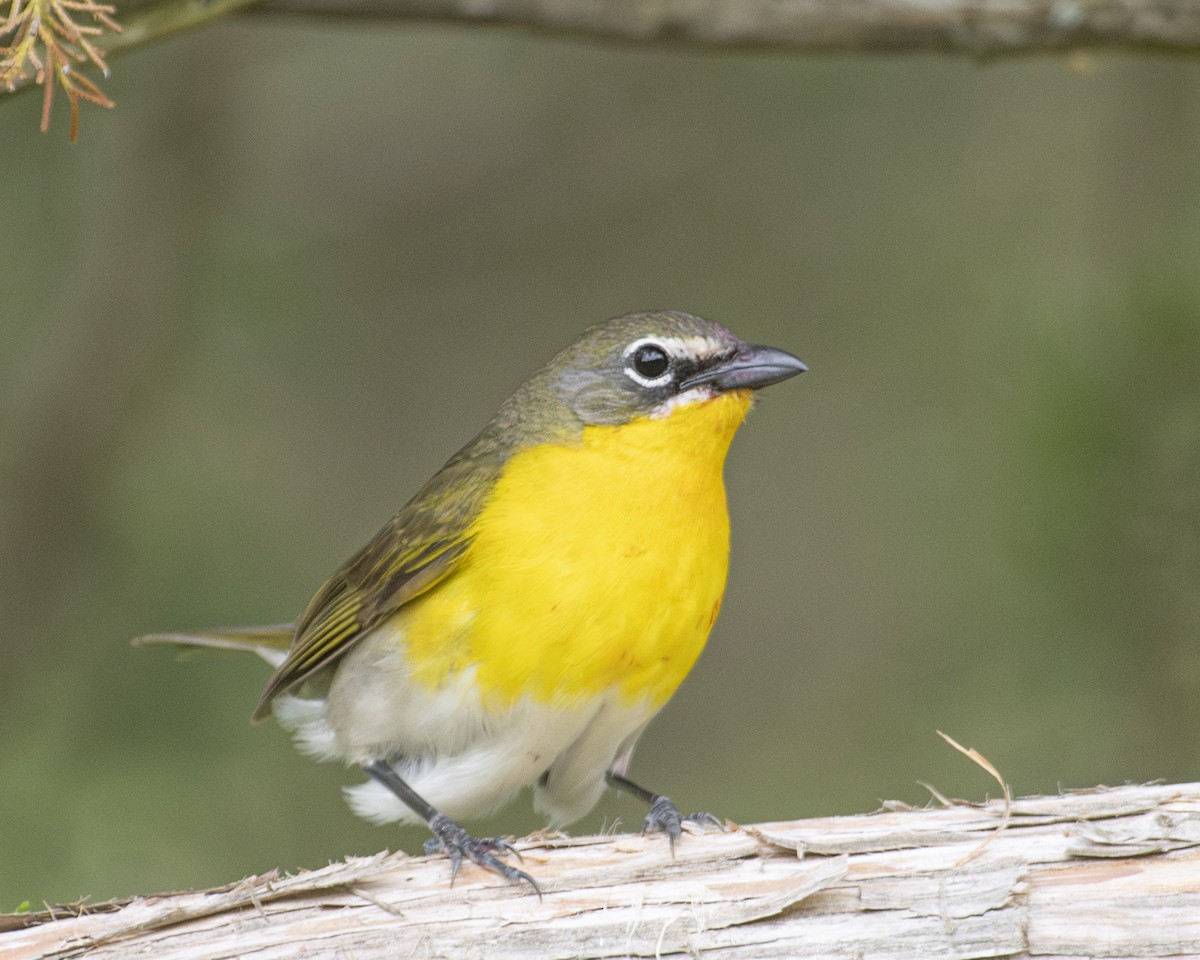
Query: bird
point(520, 620)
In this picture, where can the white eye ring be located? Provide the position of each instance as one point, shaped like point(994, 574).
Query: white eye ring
point(631, 361)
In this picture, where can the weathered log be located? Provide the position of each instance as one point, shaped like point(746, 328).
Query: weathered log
point(1101, 873)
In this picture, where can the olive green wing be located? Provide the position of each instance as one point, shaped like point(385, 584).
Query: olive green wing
point(419, 547)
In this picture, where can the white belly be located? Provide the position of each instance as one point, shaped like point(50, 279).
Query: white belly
point(462, 758)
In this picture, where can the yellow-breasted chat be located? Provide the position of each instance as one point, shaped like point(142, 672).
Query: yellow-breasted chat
point(522, 618)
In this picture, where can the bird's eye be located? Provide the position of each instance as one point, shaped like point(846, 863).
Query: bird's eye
point(650, 361)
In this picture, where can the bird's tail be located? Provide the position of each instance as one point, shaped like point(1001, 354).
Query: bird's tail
point(270, 643)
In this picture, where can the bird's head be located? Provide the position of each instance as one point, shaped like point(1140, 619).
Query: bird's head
point(647, 364)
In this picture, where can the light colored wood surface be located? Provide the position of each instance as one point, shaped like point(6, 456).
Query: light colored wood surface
point(1098, 873)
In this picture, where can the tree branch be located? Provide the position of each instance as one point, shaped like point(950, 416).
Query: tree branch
point(973, 27)
point(977, 28)
point(1103, 872)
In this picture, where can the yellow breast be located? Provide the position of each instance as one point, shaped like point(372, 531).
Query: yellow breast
point(596, 566)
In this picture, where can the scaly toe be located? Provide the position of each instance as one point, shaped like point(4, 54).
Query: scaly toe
point(702, 818)
point(451, 838)
point(664, 816)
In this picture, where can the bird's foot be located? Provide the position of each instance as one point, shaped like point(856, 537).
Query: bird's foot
point(665, 817)
point(449, 837)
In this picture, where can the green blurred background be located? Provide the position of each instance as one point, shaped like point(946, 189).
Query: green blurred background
point(300, 264)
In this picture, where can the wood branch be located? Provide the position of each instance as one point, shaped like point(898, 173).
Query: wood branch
point(976, 28)
point(1102, 872)
point(973, 27)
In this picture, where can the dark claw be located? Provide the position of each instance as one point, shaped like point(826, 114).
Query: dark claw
point(703, 818)
point(665, 816)
point(495, 844)
point(449, 837)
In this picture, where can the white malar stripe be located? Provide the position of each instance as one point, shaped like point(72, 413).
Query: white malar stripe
point(671, 404)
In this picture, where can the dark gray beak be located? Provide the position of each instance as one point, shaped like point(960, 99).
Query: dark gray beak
point(751, 368)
